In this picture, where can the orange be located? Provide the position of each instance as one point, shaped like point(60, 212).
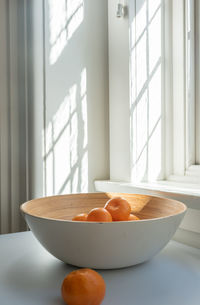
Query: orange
point(133, 217)
point(119, 208)
point(99, 214)
point(80, 217)
point(83, 287)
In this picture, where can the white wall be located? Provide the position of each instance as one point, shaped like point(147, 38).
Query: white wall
point(35, 97)
point(119, 94)
point(70, 111)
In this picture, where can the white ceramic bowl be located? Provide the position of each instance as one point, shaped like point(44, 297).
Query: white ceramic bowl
point(103, 245)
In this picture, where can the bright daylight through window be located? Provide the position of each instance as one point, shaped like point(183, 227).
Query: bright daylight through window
point(162, 139)
point(162, 91)
point(159, 130)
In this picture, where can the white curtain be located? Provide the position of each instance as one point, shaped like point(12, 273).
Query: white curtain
point(13, 116)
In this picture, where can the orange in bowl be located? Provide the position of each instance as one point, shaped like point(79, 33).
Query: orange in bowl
point(99, 215)
point(83, 287)
point(133, 217)
point(80, 217)
point(119, 208)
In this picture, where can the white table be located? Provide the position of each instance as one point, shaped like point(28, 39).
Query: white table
point(29, 275)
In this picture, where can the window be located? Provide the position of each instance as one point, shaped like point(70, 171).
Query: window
point(163, 91)
point(147, 64)
point(157, 138)
point(189, 167)
point(154, 125)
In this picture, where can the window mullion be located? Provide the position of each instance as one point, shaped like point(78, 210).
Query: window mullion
point(197, 78)
point(178, 40)
point(190, 82)
point(168, 86)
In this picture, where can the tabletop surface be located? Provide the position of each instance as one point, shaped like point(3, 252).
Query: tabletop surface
point(29, 275)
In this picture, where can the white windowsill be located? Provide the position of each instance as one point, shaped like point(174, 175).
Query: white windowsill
point(187, 193)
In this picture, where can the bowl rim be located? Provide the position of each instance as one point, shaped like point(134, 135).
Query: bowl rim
point(24, 212)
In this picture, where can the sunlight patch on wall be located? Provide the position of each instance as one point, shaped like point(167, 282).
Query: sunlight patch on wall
point(66, 155)
point(154, 153)
point(141, 63)
point(155, 96)
point(65, 17)
point(146, 86)
point(84, 106)
point(84, 173)
point(140, 25)
point(142, 123)
point(153, 7)
point(75, 15)
point(62, 160)
point(142, 133)
point(154, 40)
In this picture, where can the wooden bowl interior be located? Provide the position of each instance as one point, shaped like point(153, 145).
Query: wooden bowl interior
point(65, 207)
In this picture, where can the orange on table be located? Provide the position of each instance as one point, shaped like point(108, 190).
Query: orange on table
point(80, 217)
point(99, 214)
point(133, 217)
point(83, 287)
point(119, 208)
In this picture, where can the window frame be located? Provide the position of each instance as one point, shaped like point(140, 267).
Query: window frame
point(187, 169)
point(182, 177)
point(197, 75)
point(179, 150)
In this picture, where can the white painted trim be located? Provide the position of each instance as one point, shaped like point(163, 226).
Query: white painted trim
point(178, 19)
point(168, 89)
point(192, 176)
point(190, 81)
point(190, 179)
point(43, 48)
point(36, 95)
point(193, 170)
point(197, 78)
